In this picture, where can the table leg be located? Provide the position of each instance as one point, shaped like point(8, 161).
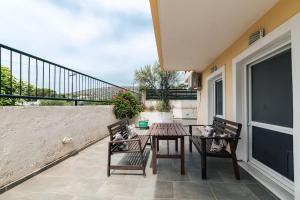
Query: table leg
point(182, 155)
point(154, 159)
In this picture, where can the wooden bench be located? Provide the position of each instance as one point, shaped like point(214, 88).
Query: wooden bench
point(136, 159)
point(203, 144)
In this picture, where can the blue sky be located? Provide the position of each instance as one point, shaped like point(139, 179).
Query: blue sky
point(108, 39)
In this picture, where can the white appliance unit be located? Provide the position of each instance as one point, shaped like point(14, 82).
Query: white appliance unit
point(193, 81)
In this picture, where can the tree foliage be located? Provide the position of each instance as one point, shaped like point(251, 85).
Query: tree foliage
point(152, 77)
point(8, 86)
point(8, 80)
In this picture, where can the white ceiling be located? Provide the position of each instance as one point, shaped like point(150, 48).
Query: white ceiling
point(194, 32)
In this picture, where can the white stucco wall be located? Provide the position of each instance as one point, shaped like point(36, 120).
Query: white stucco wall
point(31, 137)
point(180, 108)
point(157, 117)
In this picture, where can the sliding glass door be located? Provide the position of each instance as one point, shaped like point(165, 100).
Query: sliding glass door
point(270, 110)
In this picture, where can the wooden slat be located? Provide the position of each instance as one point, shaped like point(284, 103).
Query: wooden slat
point(167, 129)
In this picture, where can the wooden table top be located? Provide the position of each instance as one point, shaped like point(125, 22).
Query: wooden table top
point(168, 130)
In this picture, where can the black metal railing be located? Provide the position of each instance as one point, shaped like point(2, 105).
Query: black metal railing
point(173, 94)
point(26, 76)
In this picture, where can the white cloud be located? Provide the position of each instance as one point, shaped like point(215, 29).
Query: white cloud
point(84, 34)
point(38, 19)
point(124, 6)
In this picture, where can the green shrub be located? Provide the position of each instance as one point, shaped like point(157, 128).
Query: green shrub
point(163, 107)
point(126, 105)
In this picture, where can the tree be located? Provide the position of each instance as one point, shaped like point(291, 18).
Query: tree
point(8, 86)
point(11, 85)
point(147, 77)
point(152, 77)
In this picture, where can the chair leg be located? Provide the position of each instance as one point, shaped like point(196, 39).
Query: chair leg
point(235, 167)
point(190, 138)
point(108, 160)
point(234, 161)
point(191, 145)
point(203, 166)
point(143, 163)
point(203, 159)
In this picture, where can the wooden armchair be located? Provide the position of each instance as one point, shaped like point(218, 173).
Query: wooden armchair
point(203, 144)
point(135, 148)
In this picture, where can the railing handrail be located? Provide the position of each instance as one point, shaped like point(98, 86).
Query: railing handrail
point(58, 65)
point(83, 86)
point(175, 93)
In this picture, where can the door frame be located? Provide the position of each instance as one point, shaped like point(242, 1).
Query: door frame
point(264, 168)
point(219, 74)
point(287, 33)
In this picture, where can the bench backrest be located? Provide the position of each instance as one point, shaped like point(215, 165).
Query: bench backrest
point(118, 127)
point(230, 128)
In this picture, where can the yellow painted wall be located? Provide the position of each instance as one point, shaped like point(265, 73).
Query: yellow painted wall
point(276, 16)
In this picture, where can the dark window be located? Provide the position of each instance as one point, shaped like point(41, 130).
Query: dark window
point(219, 97)
point(272, 95)
point(274, 149)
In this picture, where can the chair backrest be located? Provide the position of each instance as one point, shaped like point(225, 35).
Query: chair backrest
point(230, 128)
point(118, 127)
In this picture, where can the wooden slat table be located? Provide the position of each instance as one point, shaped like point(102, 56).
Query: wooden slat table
point(167, 131)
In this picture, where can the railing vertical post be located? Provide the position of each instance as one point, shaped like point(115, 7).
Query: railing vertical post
point(28, 89)
point(20, 84)
point(85, 92)
point(101, 92)
point(68, 83)
point(64, 83)
point(59, 82)
point(54, 86)
point(72, 80)
point(78, 90)
point(36, 78)
point(98, 88)
point(43, 79)
point(49, 93)
point(82, 88)
point(0, 69)
point(89, 88)
point(76, 85)
point(11, 75)
point(94, 89)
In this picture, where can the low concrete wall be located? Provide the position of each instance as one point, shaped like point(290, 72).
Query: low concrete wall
point(157, 117)
point(31, 137)
point(180, 108)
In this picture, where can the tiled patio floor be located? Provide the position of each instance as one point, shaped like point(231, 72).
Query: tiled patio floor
point(83, 177)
